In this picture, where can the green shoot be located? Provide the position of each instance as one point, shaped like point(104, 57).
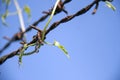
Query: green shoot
point(49, 20)
point(109, 5)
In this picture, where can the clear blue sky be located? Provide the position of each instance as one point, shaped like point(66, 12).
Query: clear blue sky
point(93, 43)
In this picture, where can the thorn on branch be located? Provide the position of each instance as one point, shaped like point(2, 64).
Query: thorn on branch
point(66, 1)
point(7, 38)
point(38, 36)
point(96, 7)
point(60, 7)
point(34, 27)
point(23, 42)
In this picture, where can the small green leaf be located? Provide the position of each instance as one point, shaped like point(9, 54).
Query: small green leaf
point(56, 43)
point(109, 5)
point(6, 1)
point(3, 1)
point(27, 10)
point(3, 20)
point(3, 17)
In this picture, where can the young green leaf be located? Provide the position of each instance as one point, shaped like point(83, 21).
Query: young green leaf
point(3, 17)
point(3, 20)
point(56, 43)
point(6, 1)
point(109, 5)
point(27, 10)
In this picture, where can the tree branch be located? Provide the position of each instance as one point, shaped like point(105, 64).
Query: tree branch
point(36, 39)
point(16, 37)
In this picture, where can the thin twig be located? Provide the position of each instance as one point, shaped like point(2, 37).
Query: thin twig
point(70, 17)
point(36, 38)
point(16, 37)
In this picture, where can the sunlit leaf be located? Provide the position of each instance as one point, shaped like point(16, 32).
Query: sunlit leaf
point(109, 5)
point(3, 1)
point(6, 1)
point(27, 10)
point(3, 18)
point(56, 43)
